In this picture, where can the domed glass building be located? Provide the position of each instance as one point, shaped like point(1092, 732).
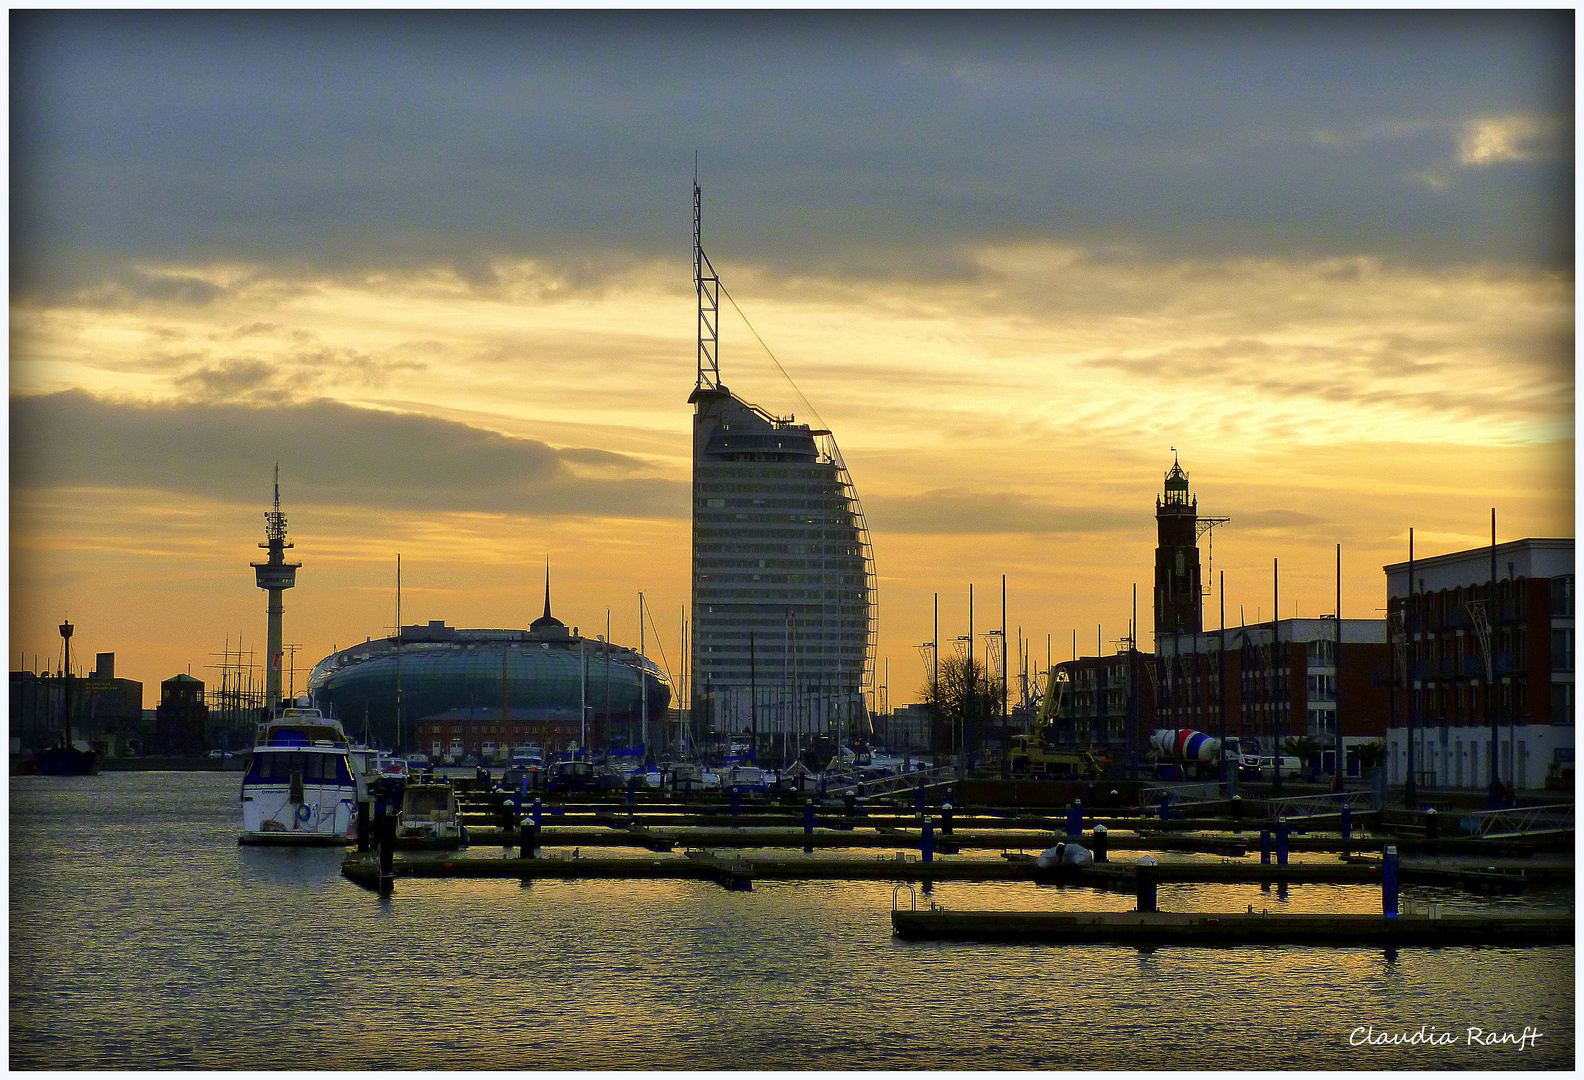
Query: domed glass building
point(481, 692)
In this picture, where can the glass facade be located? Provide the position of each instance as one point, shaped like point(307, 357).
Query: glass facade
point(466, 674)
point(783, 578)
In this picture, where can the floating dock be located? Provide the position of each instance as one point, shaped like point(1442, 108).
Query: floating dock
point(1232, 928)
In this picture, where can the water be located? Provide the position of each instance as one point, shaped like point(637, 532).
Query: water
point(143, 937)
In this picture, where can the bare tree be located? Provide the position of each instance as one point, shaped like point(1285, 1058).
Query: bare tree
point(964, 701)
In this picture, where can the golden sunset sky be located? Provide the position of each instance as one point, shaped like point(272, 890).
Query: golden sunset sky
point(438, 267)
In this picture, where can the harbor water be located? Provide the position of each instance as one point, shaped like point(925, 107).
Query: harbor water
point(144, 937)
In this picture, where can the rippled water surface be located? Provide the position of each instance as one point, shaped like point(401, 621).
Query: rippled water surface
point(142, 936)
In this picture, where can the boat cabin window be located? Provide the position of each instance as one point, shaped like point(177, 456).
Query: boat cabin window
point(315, 769)
point(427, 800)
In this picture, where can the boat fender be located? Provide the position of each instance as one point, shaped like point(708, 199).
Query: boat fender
point(304, 812)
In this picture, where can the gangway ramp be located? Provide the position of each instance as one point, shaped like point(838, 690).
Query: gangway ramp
point(889, 785)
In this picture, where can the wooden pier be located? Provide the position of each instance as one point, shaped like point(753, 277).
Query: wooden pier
point(1232, 928)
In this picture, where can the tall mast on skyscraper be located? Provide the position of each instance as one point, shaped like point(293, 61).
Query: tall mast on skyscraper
point(708, 287)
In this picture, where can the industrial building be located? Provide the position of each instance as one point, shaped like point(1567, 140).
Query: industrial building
point(783, 627)
point(103, 713)
point(1486, 643)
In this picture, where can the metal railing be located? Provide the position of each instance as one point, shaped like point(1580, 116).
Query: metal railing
point(1520, 820)
point(886, 785)
point(1181, 795)
point(1329, 802)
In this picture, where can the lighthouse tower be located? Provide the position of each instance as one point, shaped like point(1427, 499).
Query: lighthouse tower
point(1179, 603)
point(275, 576)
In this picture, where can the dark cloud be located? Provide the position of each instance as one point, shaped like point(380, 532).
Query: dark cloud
point(961, 512)
point(329, 454)
point(855, 143)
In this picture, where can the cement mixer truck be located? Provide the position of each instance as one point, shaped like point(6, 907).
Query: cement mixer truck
point(1191, 752)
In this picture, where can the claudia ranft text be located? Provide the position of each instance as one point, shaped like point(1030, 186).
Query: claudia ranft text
point(1430, 1035)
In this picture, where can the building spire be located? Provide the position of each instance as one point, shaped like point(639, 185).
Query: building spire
point(547, 587)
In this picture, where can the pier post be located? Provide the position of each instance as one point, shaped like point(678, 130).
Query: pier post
point(1432, 825)
point(1099, 844)
point(1281, 842)
point(946, 818)
point(927, 842)
point(1165, 805)
point(538, 811)
point(385, 828)
point(1237, 813)
point(1391, 879)
point(851, 802)
point(530, 838)
point(736, 803)
point(808, 826)
point(1075, 818)
point(1147, 877)
point(1347, 823)
point(918, 797)
point(1265, 847)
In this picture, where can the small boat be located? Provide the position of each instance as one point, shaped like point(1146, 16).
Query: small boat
point(744, 778)
point(570, 776)
point(66, 761)
point(300, 786)
point(429, 817)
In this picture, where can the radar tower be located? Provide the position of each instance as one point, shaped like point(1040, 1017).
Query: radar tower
point(275, 576)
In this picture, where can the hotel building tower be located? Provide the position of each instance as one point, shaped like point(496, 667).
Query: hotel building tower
point(783, 573)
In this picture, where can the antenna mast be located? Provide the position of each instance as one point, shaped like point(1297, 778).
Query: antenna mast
point(708, 287)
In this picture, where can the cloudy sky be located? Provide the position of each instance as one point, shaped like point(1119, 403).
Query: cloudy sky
point(438, 267)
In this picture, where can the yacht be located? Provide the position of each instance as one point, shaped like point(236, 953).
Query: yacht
point(430, 817)
point(300, 786)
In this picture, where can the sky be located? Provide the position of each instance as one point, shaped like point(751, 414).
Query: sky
point(437, 267)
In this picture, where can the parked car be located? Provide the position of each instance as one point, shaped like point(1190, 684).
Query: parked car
point(1290, 767)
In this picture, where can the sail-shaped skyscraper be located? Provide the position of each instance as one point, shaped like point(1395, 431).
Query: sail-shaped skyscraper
point(783, 572)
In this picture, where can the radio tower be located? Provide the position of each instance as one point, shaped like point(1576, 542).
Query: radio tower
point(275, 576)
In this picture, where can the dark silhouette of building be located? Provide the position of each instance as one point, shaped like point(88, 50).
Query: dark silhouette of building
point(181, 722)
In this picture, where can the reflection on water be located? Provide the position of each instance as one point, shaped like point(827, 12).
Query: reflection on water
point(142, 936)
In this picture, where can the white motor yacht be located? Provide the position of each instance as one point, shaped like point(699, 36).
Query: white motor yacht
point(300, 786)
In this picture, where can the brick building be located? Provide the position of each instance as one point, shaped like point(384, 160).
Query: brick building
point(1271, 683)
point(1485, 637)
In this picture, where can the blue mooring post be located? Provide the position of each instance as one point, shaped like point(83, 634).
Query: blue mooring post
point(1146, 885)
point(1075, 818)
point(1281, 842)
point(927, 841)
point(1391, 879)
point(1432, 826)
point(538, 811)
point(946, 818)
point(736, 803)
point(918, 798)
point(1165, 805)
point(1265, 847)
point(1347, 823)
point(808, 826)
point(1099, 843)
